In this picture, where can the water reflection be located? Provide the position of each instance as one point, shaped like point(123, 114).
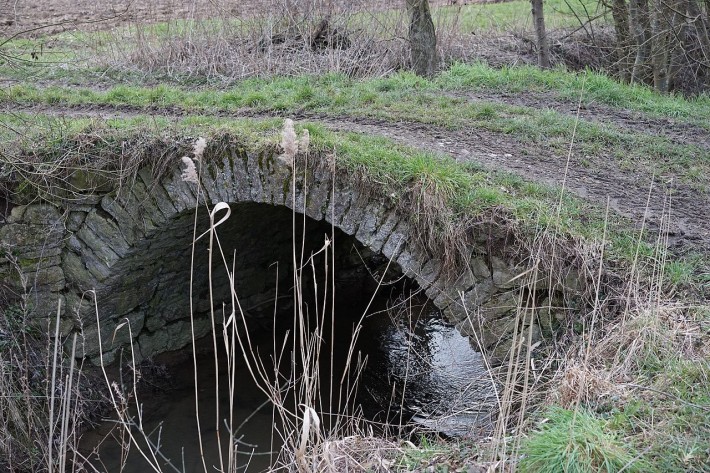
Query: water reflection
point(433, 376)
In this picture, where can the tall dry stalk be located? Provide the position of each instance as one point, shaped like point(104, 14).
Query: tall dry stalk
point(302, 429)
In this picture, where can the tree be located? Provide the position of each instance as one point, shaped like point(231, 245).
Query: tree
point(700, 18)
point(620, 13)
point(422, 38)
point(641, 30)
point(543, 46)
point(657, 39)
point(660, 17)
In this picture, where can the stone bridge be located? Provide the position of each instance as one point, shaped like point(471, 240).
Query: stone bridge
point(131, 247)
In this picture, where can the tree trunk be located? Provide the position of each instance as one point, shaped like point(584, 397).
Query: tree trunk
point(422, 38)
point(543, 47)
point(677, 48)
point(620, 13)
point(659, 44)
point(640, 28)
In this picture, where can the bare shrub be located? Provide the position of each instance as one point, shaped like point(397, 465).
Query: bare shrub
point(44, 401)
point(285, 39)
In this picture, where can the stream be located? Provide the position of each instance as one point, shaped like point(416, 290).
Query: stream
point(421, 374)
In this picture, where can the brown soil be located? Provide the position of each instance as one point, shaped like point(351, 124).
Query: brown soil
point(630, 193)
point(41, 17)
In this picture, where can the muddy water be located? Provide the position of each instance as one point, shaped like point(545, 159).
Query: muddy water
point(420, 371)
point(169, 420)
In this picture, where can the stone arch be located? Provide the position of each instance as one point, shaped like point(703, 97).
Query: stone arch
point(107, 250)
point(101, 246)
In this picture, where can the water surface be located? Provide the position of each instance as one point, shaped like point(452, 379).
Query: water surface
point(419, 370)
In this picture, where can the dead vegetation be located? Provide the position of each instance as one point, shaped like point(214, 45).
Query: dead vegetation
point(284, 40)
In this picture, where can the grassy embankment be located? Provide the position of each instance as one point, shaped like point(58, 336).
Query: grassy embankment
point(438, 102)
point(404, 97)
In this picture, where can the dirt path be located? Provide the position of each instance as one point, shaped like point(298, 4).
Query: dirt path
point(628, 120)
point(42, 17)
point(627, 192)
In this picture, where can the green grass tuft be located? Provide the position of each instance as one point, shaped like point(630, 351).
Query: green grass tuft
point(578, 442)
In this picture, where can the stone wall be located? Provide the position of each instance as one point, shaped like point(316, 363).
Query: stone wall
point(132, 247)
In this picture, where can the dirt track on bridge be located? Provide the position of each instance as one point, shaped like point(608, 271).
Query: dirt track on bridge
point(627, 192)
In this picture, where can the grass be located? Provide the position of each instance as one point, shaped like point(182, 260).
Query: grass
point(670, 417)
point(479, 18)
point(598, 88)
point(577, 442)
point(426, 451)
point(499, 17)
point(640, 402)
point(43, 396)
point(468, 189)
point(65, 58)
point(667, 418)
point(662, 433)
point(434, 102)
point(515, 16)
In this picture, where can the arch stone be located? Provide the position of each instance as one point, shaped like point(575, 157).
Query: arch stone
point(118, 247)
